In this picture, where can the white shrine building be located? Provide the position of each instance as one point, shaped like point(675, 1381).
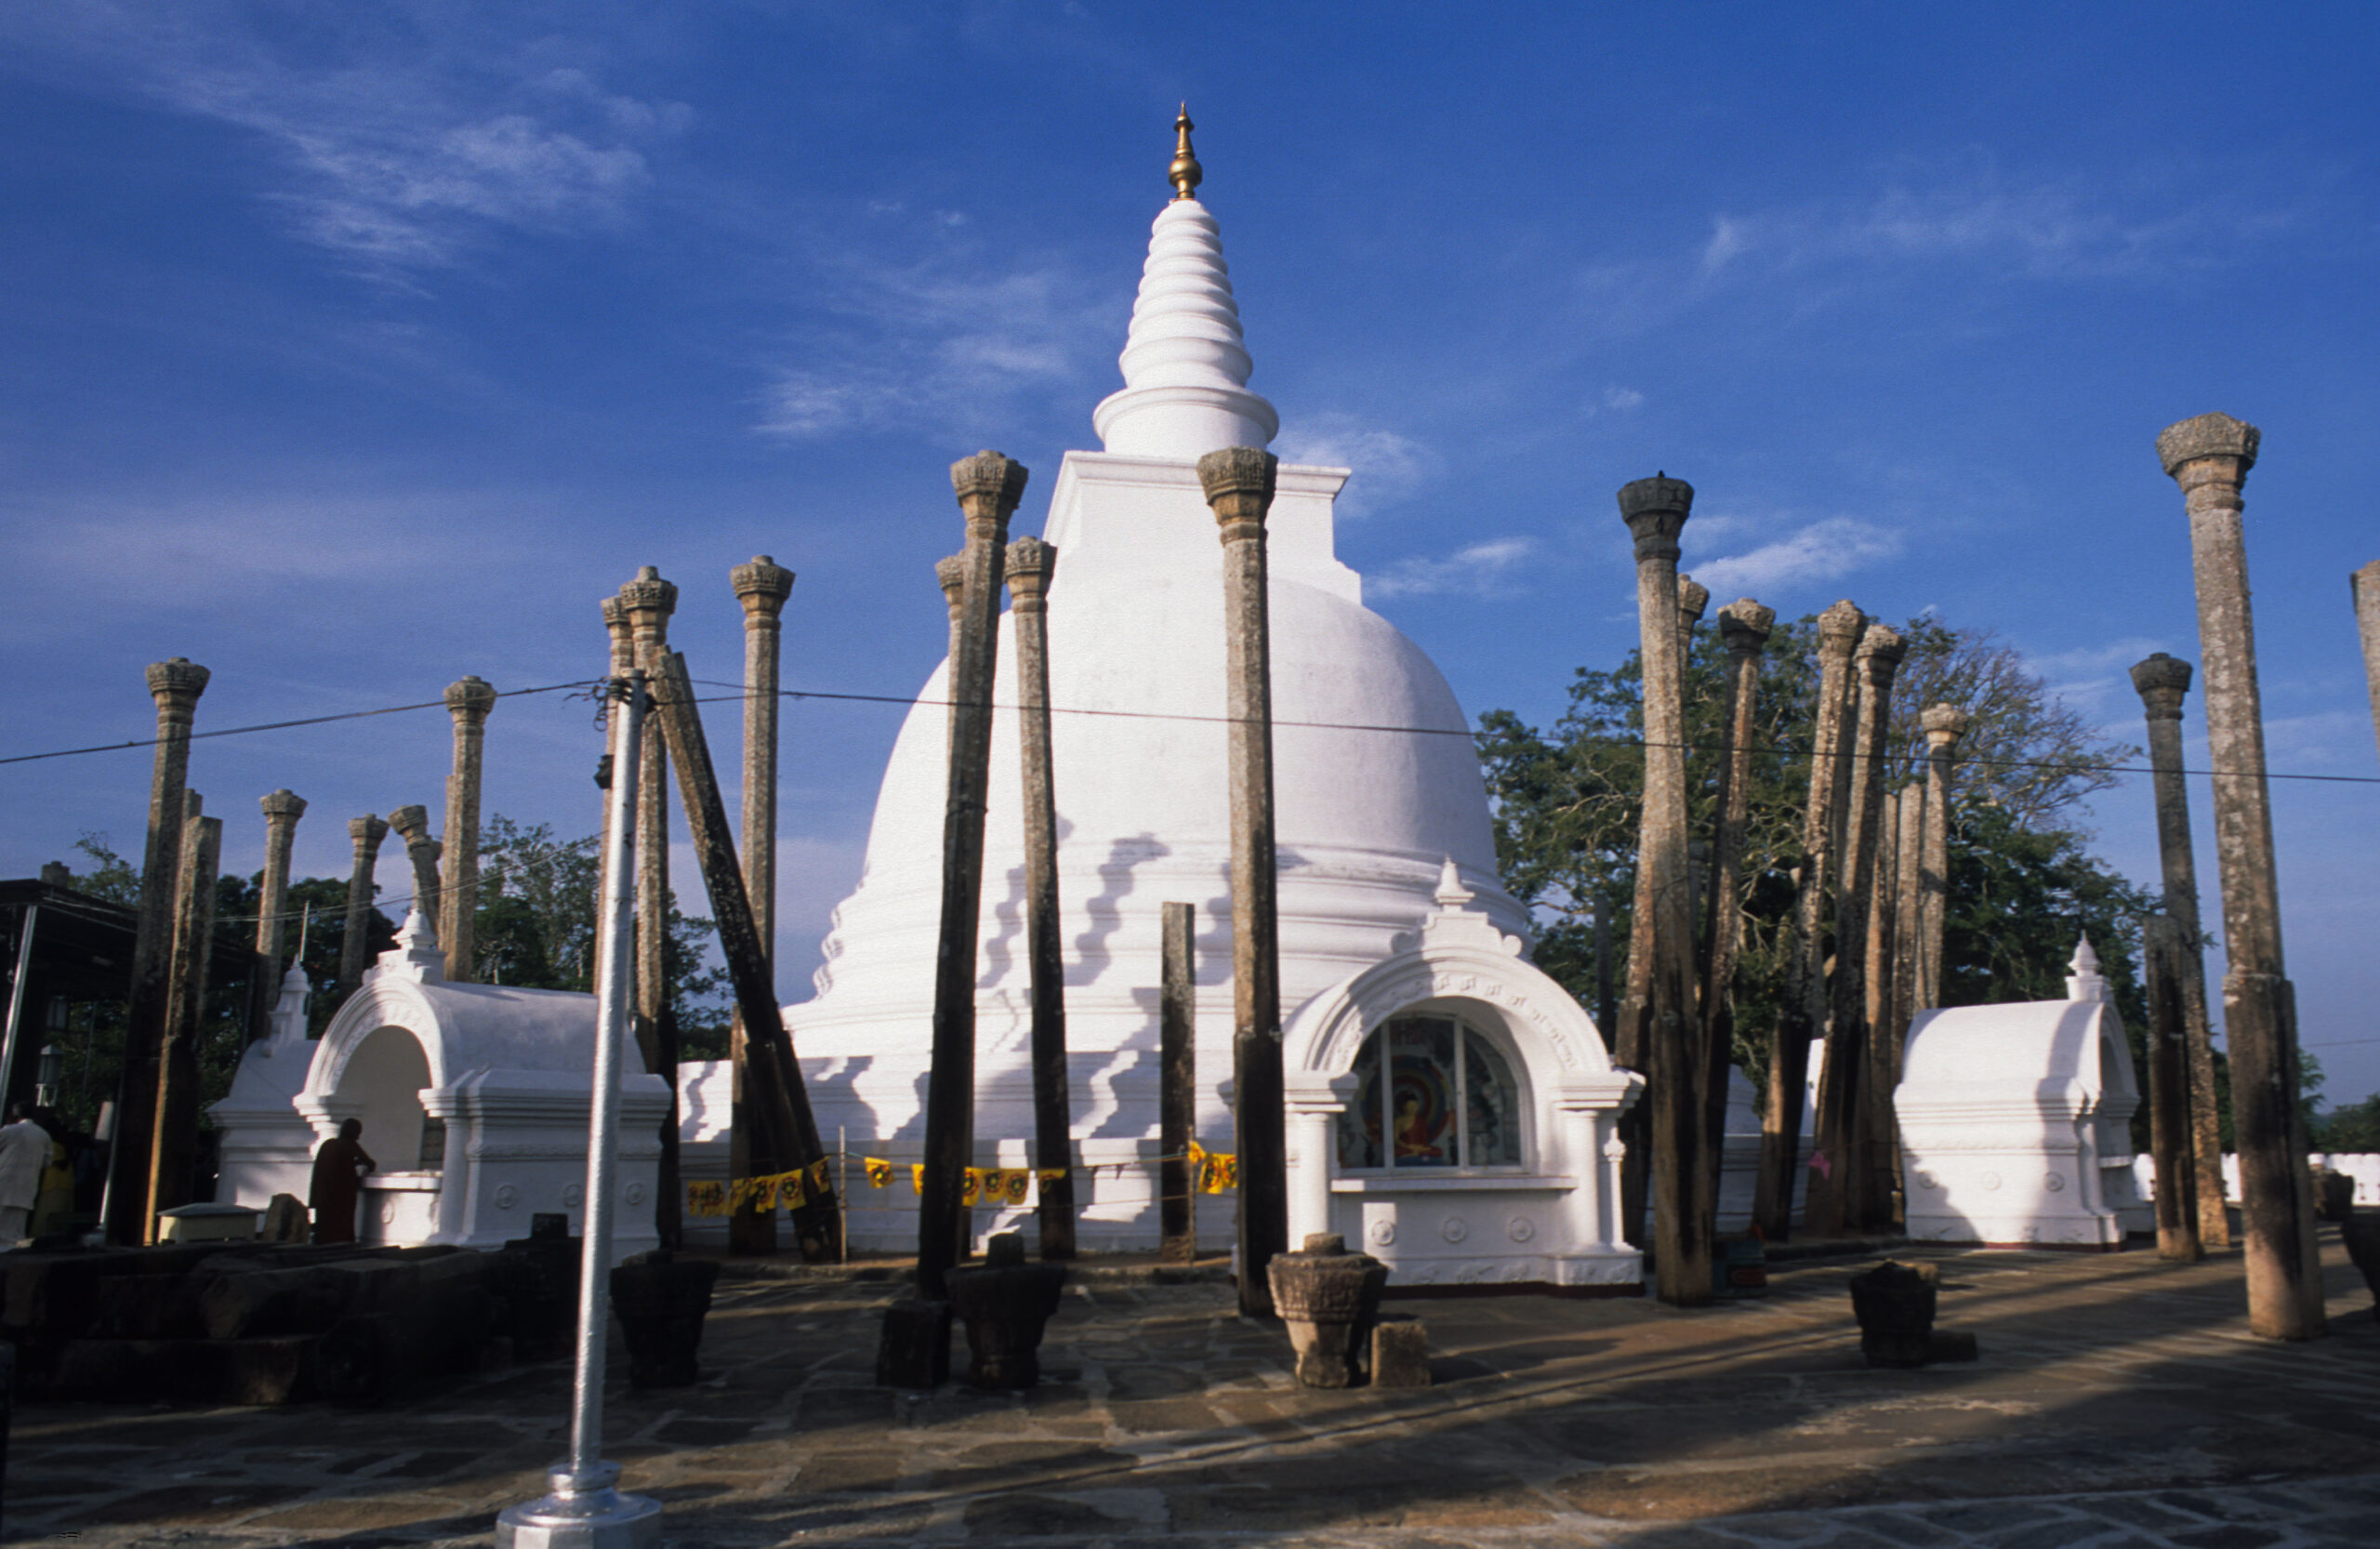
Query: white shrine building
point(1477, 1147)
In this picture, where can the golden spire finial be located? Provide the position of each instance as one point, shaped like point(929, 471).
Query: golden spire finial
point(1185, 172)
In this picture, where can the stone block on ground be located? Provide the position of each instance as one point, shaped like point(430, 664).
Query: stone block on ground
point(661, 1301)
point(1400, 1352)
point(1006, 1303)
point(285, 1220)
point(914, 1350)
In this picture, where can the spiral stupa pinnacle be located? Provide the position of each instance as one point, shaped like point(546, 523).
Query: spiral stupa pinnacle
point(1186, 173)
point(1185, 366)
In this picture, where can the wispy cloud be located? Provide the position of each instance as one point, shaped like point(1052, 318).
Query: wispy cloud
point(1823, 550)
point(1388, 465)
point(1480, 569)
point(2044, 230)
point(394, 149)
point(936, 342)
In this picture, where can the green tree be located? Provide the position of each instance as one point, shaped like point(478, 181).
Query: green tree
point(1567, 801)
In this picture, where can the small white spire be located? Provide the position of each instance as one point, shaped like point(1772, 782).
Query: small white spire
point(1451, 894)
point(2083, 980)
point(289, 1012)
point(416, 955)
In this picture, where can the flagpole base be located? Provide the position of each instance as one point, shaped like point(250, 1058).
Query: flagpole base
point(583, 1510)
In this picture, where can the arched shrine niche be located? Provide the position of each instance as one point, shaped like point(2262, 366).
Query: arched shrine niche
point(381, 1086)
point(1451, 1110)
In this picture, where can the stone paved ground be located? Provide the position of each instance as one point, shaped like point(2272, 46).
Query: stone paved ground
point(2119, 1403)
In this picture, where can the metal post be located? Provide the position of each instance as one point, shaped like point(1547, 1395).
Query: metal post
point(584, 1509)
point(25, 924)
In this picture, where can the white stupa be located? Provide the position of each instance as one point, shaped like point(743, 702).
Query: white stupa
point(1381, 814)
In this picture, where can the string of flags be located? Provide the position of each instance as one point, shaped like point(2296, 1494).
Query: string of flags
point(1211, 1173)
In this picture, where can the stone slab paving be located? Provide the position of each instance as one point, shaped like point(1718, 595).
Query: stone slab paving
point(2119, 1402)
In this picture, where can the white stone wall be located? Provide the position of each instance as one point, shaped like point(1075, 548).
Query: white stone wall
point(2363, 1166)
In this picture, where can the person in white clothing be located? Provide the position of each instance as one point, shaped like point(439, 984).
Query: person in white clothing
point(24, 1151)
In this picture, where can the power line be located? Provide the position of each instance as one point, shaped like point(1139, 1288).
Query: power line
point(2054, 765)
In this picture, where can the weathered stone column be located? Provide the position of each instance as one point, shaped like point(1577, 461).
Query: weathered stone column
point(762, 587)
point(1031, 565)
point(469, 701)
point(988, 485)
point(1239, 486)
point(950, 574)
point(281, 810)
point(353, 949)
point(2165, 961)
point(1177, 1082)
point(1799, 1017)
point(1909, 930)
point(1667, 1029)
point(1693, 600)
point(175, 685)
point(648, 601)
point(2163, 683)
point(1873, 1132)
point(1945, 724)
point(1744, 627)
point(1838, 1189)
point(412, 825)
point(2209, 457)
point(174, 1137)
point(2364, 586)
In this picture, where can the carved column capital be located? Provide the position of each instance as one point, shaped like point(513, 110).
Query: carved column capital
point(176, 684)
point(283, 806)
point(988, 485)
point(368, 832)
point(469, 699)
point(2162, 683)
point(1944, 725)
point(1656, 509)
point(762, 587)
point(1693, 601)
point(648, 600)
point(1032, 565)
point(2225, 447)
point(1237, 483)
point(1744, 626)
point(950, 572)
point(1840, 628)
point(1881, 649)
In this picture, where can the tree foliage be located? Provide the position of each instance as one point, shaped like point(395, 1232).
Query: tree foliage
point(2023, 886)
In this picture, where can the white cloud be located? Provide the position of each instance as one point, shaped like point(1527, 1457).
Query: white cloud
point(2050, 228)
point(1621, 398)
point(926, 343)
point(1387, 466)
point(1821, 551)
point(395, 154)
point(1481, 570)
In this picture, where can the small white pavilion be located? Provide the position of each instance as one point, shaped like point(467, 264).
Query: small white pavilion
point(2015, 1121)
point(473, 1099)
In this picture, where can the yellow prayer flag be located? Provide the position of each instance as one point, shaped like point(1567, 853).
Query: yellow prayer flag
point(1220, 1174)
point(819, 1174)
point(917, 1176)
point(973, 1190)
point(707, 1199)
point(789, 1189)
point(1051, 1174)
point(879, 1170)
point(1014, 1186)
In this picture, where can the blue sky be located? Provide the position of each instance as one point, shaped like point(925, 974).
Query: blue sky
point(356, 347)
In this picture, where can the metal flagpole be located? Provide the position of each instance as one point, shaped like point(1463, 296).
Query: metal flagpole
point(584, 1510)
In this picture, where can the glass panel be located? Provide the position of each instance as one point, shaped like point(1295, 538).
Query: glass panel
point(1492, 1127)
point(1359, 1121)
point(1422, 1097)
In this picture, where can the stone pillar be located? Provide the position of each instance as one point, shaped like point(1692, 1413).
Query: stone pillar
point(762, 587)
point(2162, 681)
point(281, 810)
point(1909, 927)
point(469, 701)
point(1873, 1129)
point(2364, 587)
point(1239, 486)
point(1667, 1030)
point(174, 1139)
point(353, 949)
point(1692, 598)
point(1945, 724)
point(2209, 457)
point(175, 685)
point(412, 825)
point(1031, 565)
point(2165, 962)
point(1744, 626)
point(1838, 1189)
point(1798, 1018)
point(1177, 1083)
point(648, 601)
point(988, 485)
